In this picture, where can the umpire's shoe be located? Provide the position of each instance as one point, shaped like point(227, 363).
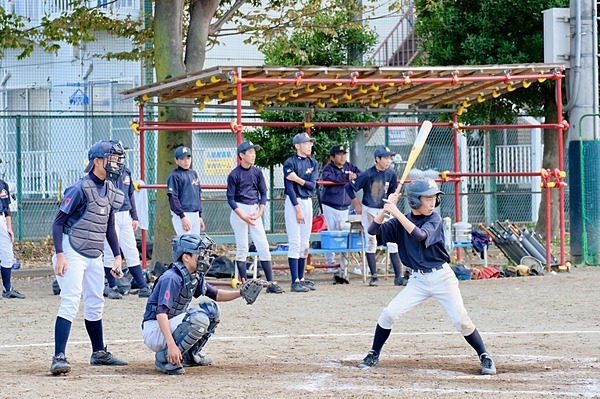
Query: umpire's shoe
point(371, 360)
point(104, 358)
point(60, 365)
point(487, 365)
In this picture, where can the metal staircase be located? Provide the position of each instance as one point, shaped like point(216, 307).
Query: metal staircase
point(399, 48)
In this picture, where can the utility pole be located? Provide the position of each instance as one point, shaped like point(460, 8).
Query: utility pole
point(584, 144)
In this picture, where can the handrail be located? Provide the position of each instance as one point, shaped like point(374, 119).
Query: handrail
point(398, 48)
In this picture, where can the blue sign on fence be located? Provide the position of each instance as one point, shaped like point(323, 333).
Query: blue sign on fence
point(79, 98)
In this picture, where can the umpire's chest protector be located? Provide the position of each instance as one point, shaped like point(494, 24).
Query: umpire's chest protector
point(87, 235)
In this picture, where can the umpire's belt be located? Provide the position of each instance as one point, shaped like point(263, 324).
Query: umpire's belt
point(428, 270)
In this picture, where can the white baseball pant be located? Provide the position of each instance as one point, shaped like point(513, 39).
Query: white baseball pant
point(336, 220)
point(367, 217)
point(194, 218)
point(298, 234)
point(241, 230)
point(441, 284)
point(7, 256)
point(126, 241)
point(153, 337)
point(84, 276)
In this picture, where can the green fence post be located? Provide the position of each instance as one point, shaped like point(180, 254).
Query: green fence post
point(19, 158)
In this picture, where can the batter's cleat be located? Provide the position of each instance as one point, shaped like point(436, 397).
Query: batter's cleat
point(274, 289)
point(370, 361)
point(112, 293)
point(12, 294)
point(399, 280)
point(104, 358)
point(60, 365)
point(195, 360)
point(487, 365)
point(145, 292)
point(299, 287)
point(374, 282)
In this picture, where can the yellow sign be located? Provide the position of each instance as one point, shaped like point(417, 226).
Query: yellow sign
point(219, 162)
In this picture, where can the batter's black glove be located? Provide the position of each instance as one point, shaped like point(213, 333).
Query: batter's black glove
point(250, 290)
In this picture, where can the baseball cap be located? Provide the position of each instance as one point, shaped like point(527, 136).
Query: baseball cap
point(336, 149)
point(383, 151)
point(246, 145)
point(100, 149)
point(302, 138)
point(182, 152)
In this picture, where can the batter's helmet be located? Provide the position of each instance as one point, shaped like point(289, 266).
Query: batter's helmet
point(108, 149)
point(422, 187)
point(194, 244)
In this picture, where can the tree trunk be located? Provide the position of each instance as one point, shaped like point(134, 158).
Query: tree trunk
point(550, 161)
point(201, 13)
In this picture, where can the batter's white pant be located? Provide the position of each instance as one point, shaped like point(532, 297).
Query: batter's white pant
point(84, 276)
point(153, 337)
point(368, 215)
point(298, 234)
point(442, 285)
point(336, 220)
point(241, 230)
point(7, 256)
point(126, 241)
point(194, 218)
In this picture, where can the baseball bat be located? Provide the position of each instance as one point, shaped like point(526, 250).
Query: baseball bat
point(415, 151)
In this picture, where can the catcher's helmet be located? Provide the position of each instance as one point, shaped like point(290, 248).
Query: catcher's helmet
point(113, 151)
point(422, 187)
point(194, 244)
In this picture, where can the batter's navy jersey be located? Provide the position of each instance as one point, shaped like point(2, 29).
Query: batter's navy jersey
point(416, 254)
point(74, 203)
point(376, 185)
point(185, 185)
point(336, 196)
point(246, 186)
point(4, 198)
point(307, 169)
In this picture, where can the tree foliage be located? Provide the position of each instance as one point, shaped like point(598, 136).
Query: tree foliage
point(306, 46)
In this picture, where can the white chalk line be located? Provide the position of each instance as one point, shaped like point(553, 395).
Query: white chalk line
point(329, 335)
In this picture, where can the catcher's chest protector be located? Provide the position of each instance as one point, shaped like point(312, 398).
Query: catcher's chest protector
point(87, 235)
point(190, 283)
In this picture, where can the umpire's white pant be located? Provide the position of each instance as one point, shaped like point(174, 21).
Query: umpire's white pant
point(84, 276)
point(241, 230)
point(336, 219)
point(298, 234)
point(442, 285)
point(7, 256)
point(367, 217)
point(127, 241)
point(193, 217)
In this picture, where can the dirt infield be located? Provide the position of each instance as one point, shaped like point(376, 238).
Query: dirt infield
point(543, 333)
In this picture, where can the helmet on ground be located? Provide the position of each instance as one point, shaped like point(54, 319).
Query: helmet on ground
point(111, 150)
point(422, 187)
point(195, 244)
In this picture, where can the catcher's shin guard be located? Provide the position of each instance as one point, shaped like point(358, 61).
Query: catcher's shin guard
point(211, 310)
point(192, 328)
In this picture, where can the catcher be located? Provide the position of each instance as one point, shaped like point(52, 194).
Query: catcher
point(175, 332)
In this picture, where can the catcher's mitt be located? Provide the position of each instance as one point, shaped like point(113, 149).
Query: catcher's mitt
point(250, 290)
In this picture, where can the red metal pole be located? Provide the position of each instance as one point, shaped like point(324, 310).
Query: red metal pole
point(548, 227)
point(489, 174)
point(561, 166)
point(142, 176)
point(307, 119)
point(456, 170)
point(239, 106)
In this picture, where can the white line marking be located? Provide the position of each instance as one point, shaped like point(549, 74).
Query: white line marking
point(331, 335)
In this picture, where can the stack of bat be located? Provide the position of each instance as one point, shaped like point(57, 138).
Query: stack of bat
point(518, 245)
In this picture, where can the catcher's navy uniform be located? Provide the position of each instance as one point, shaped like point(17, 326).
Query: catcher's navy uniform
point(7, 256)
point(423, 251)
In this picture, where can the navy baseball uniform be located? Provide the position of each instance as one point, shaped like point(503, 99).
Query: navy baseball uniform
point(377, 183)
point(184, 191)
point(7, 239)
point(420, 237)
point(247, 197)
point(85, 219)
point(298, 207)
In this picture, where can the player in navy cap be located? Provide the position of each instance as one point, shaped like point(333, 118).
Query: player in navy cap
point(377, 183)
point(85, 219)
point(300, 174)
point(7, 239)
point(247, 197)
point(335, 200)
point(184, 191)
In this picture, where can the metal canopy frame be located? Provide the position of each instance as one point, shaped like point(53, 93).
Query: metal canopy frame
point(362, 89)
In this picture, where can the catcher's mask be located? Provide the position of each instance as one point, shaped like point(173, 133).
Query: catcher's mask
point(203, 246)
point(114, 154)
